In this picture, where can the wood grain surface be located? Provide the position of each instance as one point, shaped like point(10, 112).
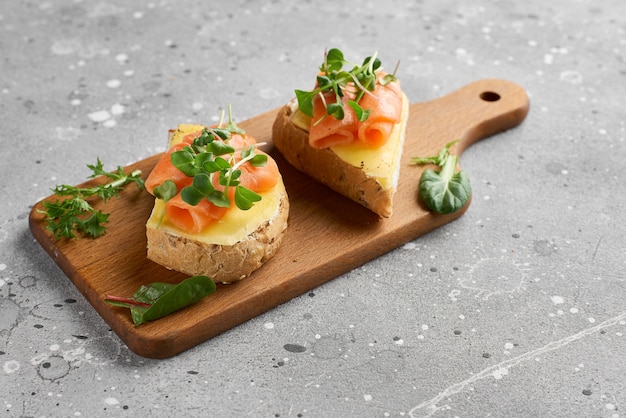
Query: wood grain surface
point(328, 235)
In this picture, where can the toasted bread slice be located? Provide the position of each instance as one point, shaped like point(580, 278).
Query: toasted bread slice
point(368, 176)
point(223, 262)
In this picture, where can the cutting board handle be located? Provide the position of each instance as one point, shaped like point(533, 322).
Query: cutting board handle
point(493, 105)
point(473, 112)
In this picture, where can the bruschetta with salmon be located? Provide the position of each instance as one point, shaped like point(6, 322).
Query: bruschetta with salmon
point(221, 207)
point(348, 132)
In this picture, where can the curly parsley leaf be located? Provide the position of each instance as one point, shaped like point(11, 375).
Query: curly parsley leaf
point(72, 213)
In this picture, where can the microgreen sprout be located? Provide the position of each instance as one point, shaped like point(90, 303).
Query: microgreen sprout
point(74, 213)
point(443, 191)
point(211, 159)
point(334, 82)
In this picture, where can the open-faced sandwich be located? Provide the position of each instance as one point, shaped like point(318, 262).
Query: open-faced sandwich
point(221, 207)
point(348, 132)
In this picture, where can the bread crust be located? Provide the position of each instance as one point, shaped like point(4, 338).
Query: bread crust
point(222, 263)
point(327, 168)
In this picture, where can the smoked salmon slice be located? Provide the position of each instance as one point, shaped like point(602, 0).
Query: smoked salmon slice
point(165, 170)
point(384, 104)
point(192, 219)
point(260, 179)
point(326, 131)
point(386, 111)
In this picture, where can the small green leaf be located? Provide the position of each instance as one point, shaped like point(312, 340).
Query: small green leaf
point(234, 175)
point(223, 134)
point(230, 178)
point(444, 194)
point(191, 195)
point(259, 160)
point(305, 101)
point(98, 169)
point(245, 198)
point(335, 110)
point(157, 300)
point(388, 78)
point(211, 166)
point(220, 148)
point(247, 153)
point(202, 182)
point(231, 125)
point(204, 138)
point(368, 81)
point(184, 160)
point(443, 191)
point(222, 163)
point(92, 225)
point(323, 81)
point(201, 158)
point(166, 190)
point(219, 199)
point(334, 60)
point(361, 114)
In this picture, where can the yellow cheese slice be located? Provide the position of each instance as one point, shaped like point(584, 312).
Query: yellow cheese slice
point(381, 163)
point(235, 225)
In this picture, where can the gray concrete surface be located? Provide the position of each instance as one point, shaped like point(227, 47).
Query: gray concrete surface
point(517, 309)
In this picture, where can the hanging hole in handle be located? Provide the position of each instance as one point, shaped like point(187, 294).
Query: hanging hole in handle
point(490, 96)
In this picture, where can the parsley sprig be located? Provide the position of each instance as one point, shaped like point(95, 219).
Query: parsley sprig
point(210, 155)
point(360, 80)
point(73, 213)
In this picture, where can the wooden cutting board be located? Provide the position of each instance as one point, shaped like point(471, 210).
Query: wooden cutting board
point(328, 235)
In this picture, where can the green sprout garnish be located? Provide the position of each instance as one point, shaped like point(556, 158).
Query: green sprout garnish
point(208, 156)
point(360, 80)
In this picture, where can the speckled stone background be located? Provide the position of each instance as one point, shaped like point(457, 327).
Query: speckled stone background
point(517, 309)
